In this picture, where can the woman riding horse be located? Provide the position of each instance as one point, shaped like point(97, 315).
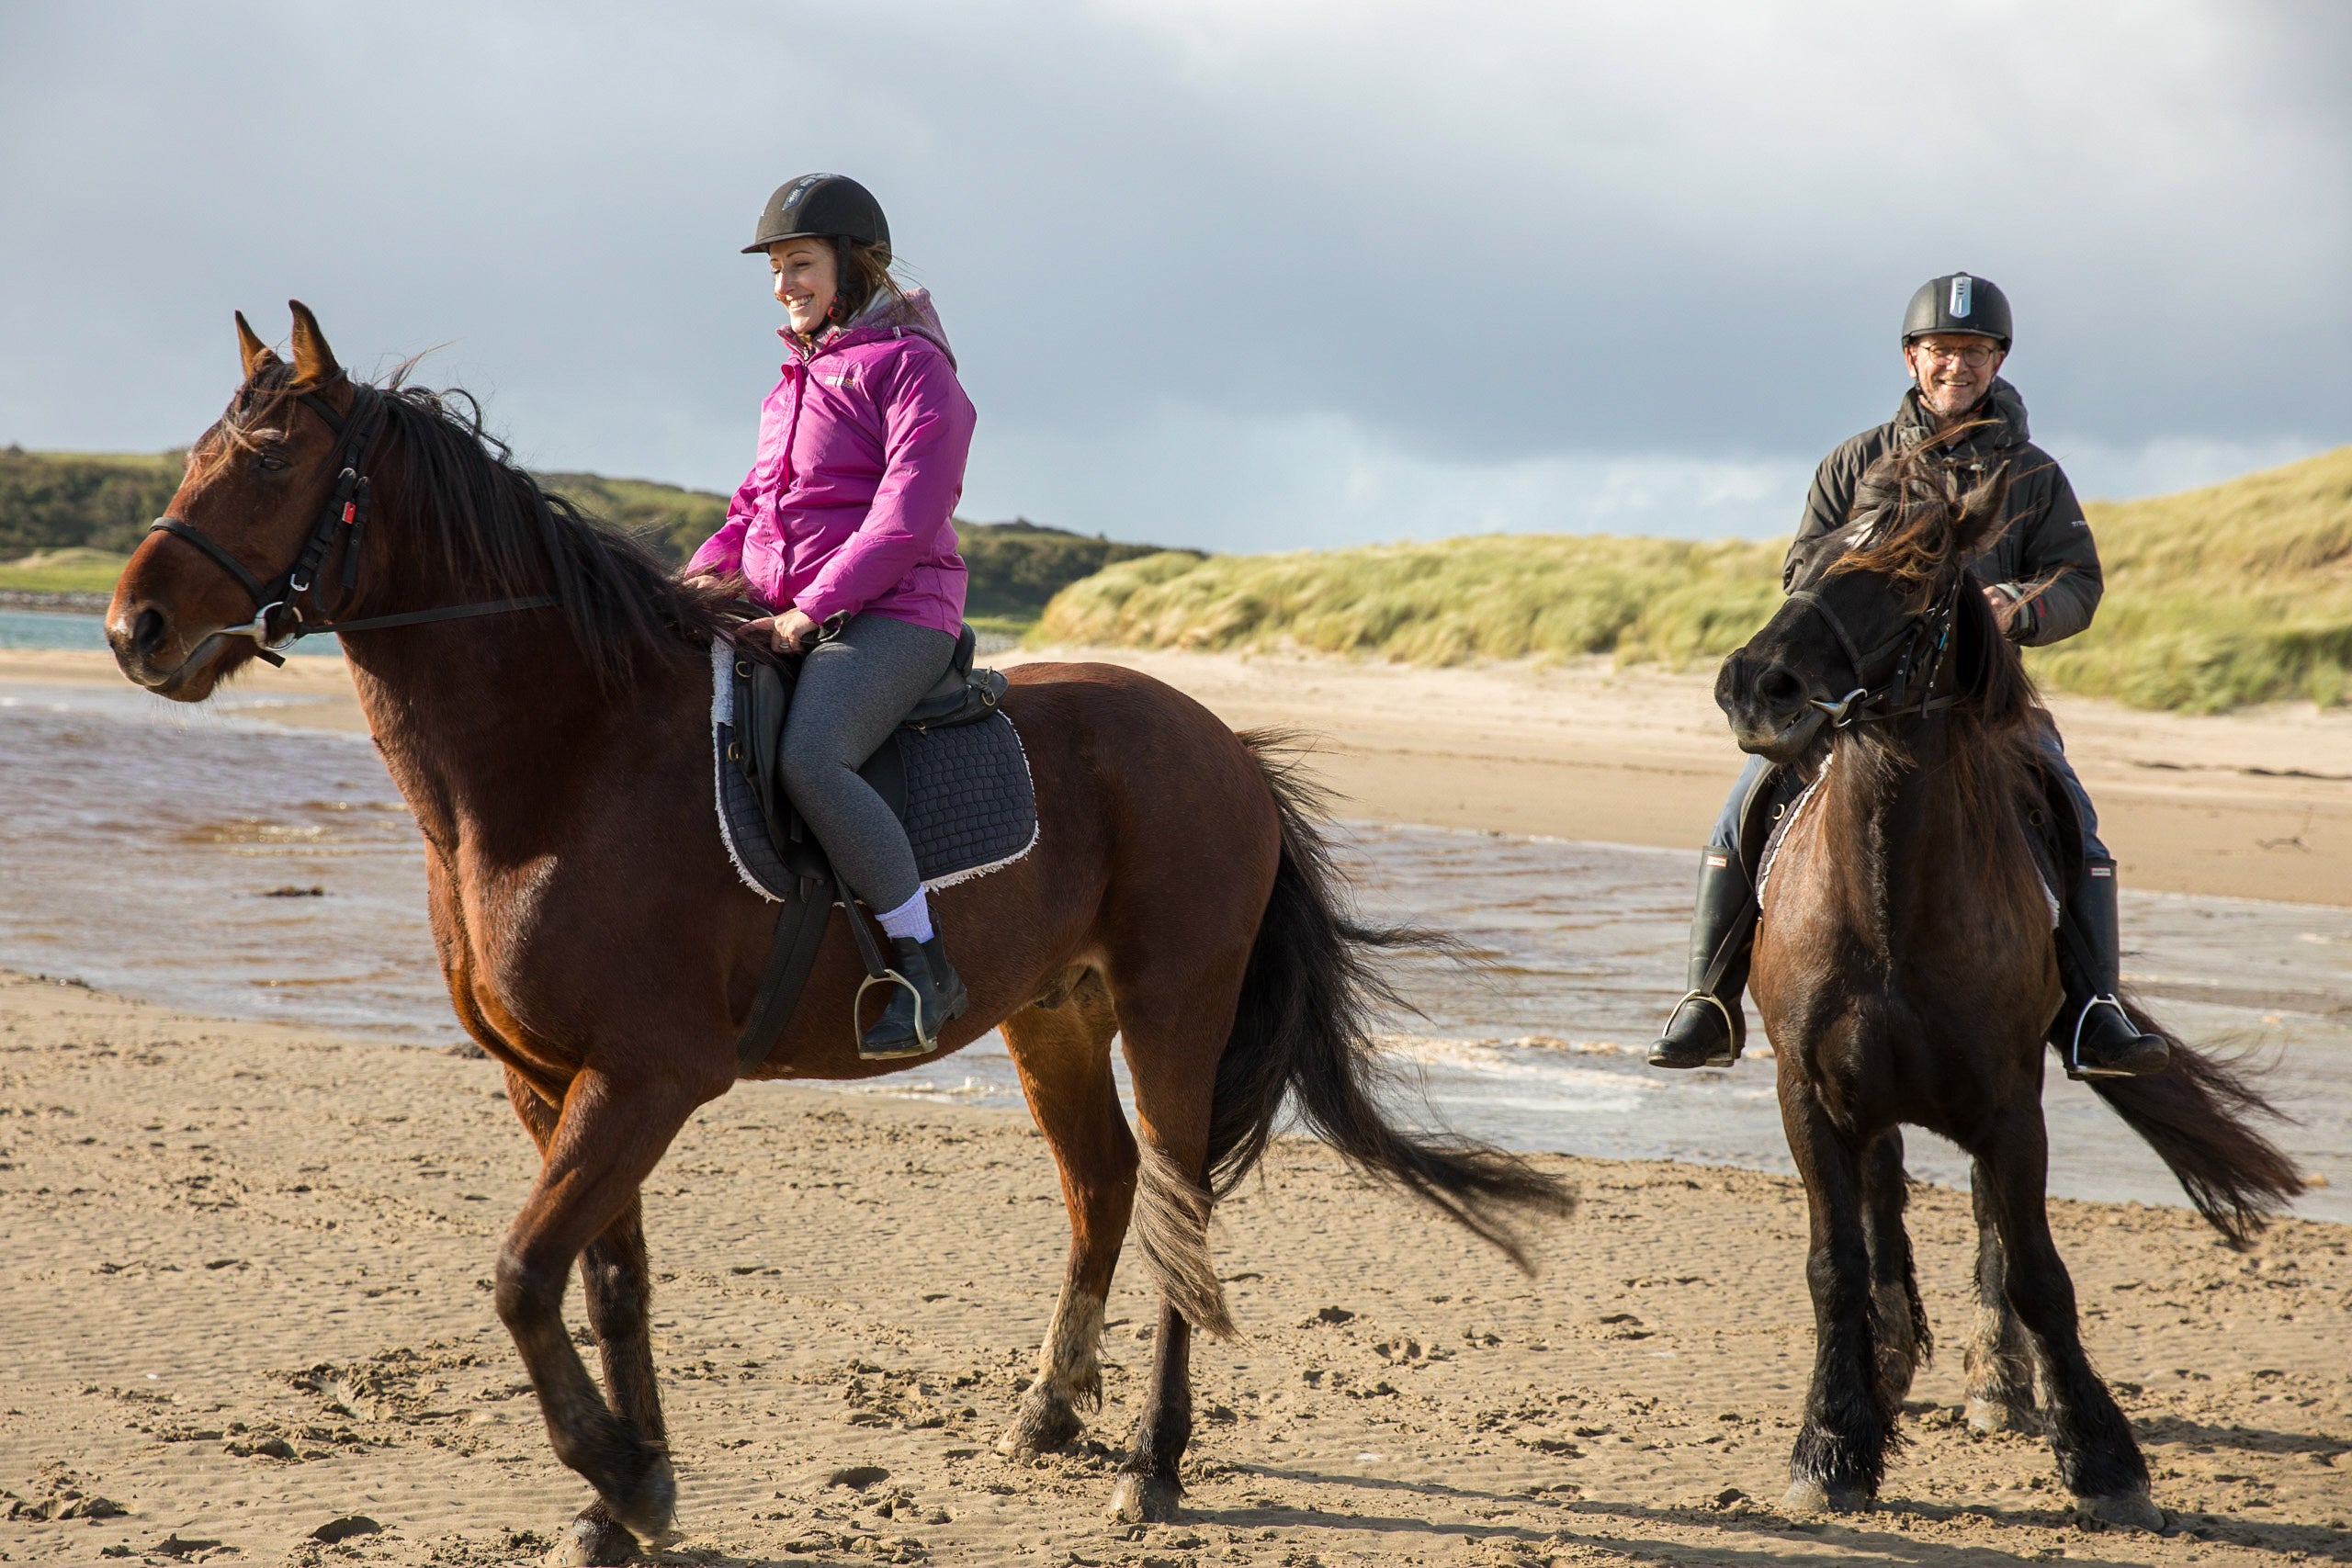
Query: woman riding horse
point(842, 531)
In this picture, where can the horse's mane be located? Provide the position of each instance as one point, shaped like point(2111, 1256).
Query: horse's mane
point(497, 533)
point(1919, 528)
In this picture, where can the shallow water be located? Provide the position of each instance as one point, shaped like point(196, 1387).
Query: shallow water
point(56, 628)
point(206, 861)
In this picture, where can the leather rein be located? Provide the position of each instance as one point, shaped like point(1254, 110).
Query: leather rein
point(345, 518)
point(1925, 641)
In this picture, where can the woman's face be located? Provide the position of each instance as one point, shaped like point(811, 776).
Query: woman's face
point(807, 277)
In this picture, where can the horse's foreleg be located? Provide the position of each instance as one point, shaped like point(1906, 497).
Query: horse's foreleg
point(1999, 1362)
point(1898, 1319)
point(608, 1138)
point(1840, 1452)
point(1063, 1054)
point(2098, 1456)
point(605, 1269)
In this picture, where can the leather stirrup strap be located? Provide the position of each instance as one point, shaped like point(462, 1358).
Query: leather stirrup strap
point(791, 955)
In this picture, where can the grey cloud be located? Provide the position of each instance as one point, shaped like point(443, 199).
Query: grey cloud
point(1235, 273)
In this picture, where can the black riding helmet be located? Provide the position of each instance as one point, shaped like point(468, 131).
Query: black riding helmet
point(821, 207)
point(1958, 303)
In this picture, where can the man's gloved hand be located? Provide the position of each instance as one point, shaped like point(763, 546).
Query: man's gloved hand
point(2012, 609)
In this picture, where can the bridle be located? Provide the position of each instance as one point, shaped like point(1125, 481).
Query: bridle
point(1920, 645)
point(344, 517)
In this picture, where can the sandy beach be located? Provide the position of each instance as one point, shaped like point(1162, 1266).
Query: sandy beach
point(246, 1296)
point(2257, 805)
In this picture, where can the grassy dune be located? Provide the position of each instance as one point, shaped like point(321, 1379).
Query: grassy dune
point(73, 571)
point(2239, 592)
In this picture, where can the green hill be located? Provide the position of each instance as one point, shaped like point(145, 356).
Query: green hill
point(68, 521)
point(2239, 592)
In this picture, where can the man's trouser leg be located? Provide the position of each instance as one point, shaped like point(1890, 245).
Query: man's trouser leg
point(1708, 1025)
point(2093, 1033)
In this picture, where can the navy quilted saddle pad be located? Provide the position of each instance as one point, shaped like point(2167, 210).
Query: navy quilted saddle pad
point(964, 792)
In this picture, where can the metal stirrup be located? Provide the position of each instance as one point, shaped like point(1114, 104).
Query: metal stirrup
point(2075, 1048)
point(923, 1038)
point(1731, 1029)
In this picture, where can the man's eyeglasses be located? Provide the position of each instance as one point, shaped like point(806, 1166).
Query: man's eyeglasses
point(1975, 356)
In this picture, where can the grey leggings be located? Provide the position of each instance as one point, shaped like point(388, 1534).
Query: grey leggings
point(853, 691)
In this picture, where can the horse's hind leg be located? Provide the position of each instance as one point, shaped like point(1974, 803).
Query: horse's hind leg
point(1841, 1453)
point(1175, 1036)
point(1899, 1328)
point(2098, 1456)
point(1063, 1054)
point(1999, 1361)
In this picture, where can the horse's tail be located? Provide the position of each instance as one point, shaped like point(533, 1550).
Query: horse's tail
point(1303, 1030)
point(2197, 1114)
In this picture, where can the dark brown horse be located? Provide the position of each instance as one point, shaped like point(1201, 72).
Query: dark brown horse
point(597, 942)
point(1906, 973)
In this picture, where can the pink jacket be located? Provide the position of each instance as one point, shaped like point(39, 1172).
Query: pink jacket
point(860, 464)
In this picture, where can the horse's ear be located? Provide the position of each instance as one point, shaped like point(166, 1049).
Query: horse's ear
point(314, 363)
point(252, 350)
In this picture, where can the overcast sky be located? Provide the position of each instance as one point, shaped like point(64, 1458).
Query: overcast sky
point(1241, 274)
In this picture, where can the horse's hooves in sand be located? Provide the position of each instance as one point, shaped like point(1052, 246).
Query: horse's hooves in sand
point(1044, 1422)
point(2125, 1510)
point(1144, 1500)
point(650, 1506)
point(592, 1541)
point(1987, 1417)
point(1816, 1497)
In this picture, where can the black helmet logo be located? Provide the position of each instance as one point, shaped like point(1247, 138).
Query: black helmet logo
point(1963, 297)
point(799, 188)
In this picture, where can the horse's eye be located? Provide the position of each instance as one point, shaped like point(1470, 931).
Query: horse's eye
point(270, 462)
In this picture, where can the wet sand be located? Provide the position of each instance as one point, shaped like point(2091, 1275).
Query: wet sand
point(2256, 805)
point(246, 1294)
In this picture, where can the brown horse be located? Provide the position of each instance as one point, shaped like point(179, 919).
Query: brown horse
point(555, 752)
point(1906, 973)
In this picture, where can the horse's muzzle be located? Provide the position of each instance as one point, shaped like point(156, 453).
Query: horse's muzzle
point(151, 654)
point(1770, 708)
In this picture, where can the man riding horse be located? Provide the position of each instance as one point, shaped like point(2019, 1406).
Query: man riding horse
point(2041, 578)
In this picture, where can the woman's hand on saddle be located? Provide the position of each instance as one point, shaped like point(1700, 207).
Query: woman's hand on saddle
point(791, 632)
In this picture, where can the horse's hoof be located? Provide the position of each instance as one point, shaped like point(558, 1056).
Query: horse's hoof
point(592, 1541)
point(1144, 1500)
point(1044, 1422)
point(1810, 1496)
point(1987, 1416)
point(2124, 1510)
point(647, 1511)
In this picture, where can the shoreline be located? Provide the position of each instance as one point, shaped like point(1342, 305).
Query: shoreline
point(249, 1299)
point(2257, 805)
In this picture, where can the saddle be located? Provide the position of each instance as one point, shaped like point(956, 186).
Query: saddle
point(953, 771)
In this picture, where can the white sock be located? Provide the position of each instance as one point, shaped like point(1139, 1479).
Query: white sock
point(910, 919)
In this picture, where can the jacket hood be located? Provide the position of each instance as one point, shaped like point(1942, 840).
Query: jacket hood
point(909, 313)
point(2002, 405)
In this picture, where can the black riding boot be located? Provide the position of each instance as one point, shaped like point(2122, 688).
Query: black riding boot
point(2094, 1034)
point(924, 995)
point(1708, 1026)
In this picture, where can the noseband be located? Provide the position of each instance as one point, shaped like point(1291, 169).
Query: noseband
point(345, 515)
point(1919, 645)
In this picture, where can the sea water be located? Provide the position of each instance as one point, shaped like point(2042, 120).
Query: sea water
point(214, 863)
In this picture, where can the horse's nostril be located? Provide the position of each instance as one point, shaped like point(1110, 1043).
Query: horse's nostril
point(1780, 687)
point(148, 631)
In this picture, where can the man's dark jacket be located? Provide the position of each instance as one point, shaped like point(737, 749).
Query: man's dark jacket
point(2046, 536)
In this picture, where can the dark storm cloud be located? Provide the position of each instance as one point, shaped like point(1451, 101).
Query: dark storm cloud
point(1237, 274)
